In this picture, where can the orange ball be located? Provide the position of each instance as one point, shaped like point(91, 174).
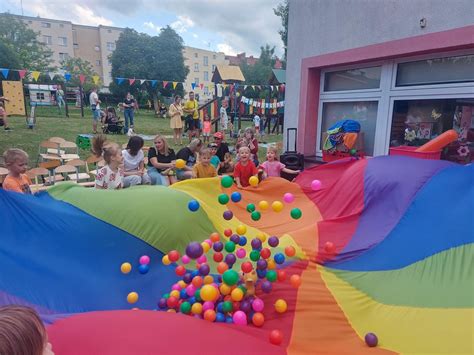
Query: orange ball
point(215, 237)
point(258, 319)
point(210, 315)
point(197, 281)
point(208, 279)
point(224, 289)
point(271, 264)
point(290, 251)
point(222, 267)
point(295, 281)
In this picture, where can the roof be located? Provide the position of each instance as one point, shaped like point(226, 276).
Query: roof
point(227, 73)
point(279, 75)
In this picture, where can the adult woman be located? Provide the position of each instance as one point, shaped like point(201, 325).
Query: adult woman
point(188, 154)
point(175, 112)
point(161, 162)
point(128, 111)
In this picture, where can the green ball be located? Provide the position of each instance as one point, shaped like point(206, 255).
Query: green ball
point(271, 275)
point(243, 288)
point(166, 296)
point(256, 215)
point(223, 199)
point(296, 213)
point(229, 247)
point(185, 307)
point(197, 295)
point(227, 306)
point(250, 207)
point(254, 255)
point(230, 277)
point(227, 181)
point(353, 151)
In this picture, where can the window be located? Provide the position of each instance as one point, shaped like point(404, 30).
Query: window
point(354, 79)
point(109, 31)
point(45, 25)
point(47, 40)
point(213, 67)
point(206, 76)
point(196, 81)
point(111, 46)
point(62, 41)
point(63, 56)
point(195, 55)
point(39, 96)
point(196, 67)
point(97, 62)
point(205, 61)
point(214, 56)
point(61, 25)
point(206, 91)
point(436, 71)
point(365, 112)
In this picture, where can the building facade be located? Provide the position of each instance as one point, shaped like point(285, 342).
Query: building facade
point(396, 66)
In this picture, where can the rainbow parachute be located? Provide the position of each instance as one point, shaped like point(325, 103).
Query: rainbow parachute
point(402, 265)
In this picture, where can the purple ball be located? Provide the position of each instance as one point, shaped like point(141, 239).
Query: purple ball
point(204, 269)
point(371, 340)
point(273, 241)
point(194, 250)
point(187, 277)
point(245, 306)
point(266, 286)
point(219, 278)
point(262, 264)
point(227, 215)
point(162, 303)
point(256, 243)
point(235, 238)
point(218, 246)
point(230, 259)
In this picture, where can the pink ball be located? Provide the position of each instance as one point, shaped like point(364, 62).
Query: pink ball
point(207, 305)
point(239, 318)
point(288, 197)
point(144, 260)
point(190, 290)
point(202, 259)
point(316, 185)
point(176, 287)
point(240, 253)
point(185, 259)
point(208, 241)
point(257, 305)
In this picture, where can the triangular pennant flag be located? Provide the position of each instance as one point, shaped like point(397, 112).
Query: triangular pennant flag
point(96, 79)
point(154, 83)
point(259, 87)
point(165, 83)
point(120, 80)
point(224, 86)
point(253, 87)
point(35, 74)
point(282, 87)
point(51, 75)
point(271, 87)
point(193, 85)
point(67, 76)
point(245, 87)
point(5, 72)
point(201, 86)
point(22, 73)
point(142, 81)
point(131, 81)
point(174, 84)
point(82, 78)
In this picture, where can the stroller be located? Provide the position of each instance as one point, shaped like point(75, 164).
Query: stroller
point(111, 123)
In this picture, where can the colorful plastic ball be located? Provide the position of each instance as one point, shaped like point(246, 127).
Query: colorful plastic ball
point(296, 213)
point(258, 305)
point(143, 269)
point(237, 294)
point(222, 267)
point(230, 259)
point(240, 253)
point(227, 306)
point(271, 275)
point(196, 308)
point(261, 273)
point(250, 207)
point(132, 297)
point(256, 243)
point(230, 277)
point(225, 289)
point(185, 259)
point(271, 264)
point(193, 205)
point(258, 319)
point(180, 270)
point(192, 300)
point(174, 294)
point(125, 268)
point(371, 340)
point(162, 303)
point(235, 196)
point(208, 280)
point(288, 197)
point(207, 305)
point(276, 337)
point(218, 246)
point(279, 258)
point(227, 181)
point(209, 293)
point(210, 315)
point(176, 287)
point(215, 237)
point(281, 275)
point(262, 237)
point(277, 206)
point(220, 317)
point(190, 290)
point(246, 266)
point(202, 259)
point(265, 253)
point(145, 260)
point(353, 152)
point(194, 273)
point(253, 181)
point(273, 241)
point(290, 251)
point(171, 302)
point(228, 232)
point(218, 257)
point(266, 286)
point(183, 294)
point(245, 306)
point(173, 255)
point(239, 318)
point(329, 247)
point(204, 269)
point(180, 163)
point(205, 247)
point(295, 280)
point(254, 255)
point(241, 229)
point(242, 241)
point(197, 281)
point(235, 238)
point(194, 250)
point(227, 215)
point(255, 215)
point(223, 199)
point(316, 185)
point(261, 264)
point(281, 306)
point(263, 205)
point(197, 295)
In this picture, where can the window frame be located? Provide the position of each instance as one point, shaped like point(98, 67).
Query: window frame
point(205, 61)
point(45, 24)
point(196, 67)
point(44, 37)
point(64, 42)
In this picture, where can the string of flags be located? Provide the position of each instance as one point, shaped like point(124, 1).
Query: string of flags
point(261, 103)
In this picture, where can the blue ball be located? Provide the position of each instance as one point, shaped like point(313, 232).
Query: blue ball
point(242, 241)
point(235, 196)
point(194, 273)
point(229, 319)
point(261, 273)
point(143, 268)
point(182, 294)
point(192, 300)
point(220, 318)
point(193, 205)
point(219, 307)
point(279, 258)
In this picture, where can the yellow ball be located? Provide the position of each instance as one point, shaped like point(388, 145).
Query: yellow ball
point(208, 279)
point(132, 297)
point(182, 284)
point(225, 289)
point(174, 293)
point(237, 294)
point(263, 205)
point(241, 229)
point(262, 237)
point(196, 308)
point(209, 293)
point(271, 264)
point(165, 260)
point(126, 268)
point(205, 247)
point(277, 206)
point(253, 181)
point(180, 164)
point(281, 306)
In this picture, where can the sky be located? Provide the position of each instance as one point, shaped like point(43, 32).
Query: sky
point(220, 25)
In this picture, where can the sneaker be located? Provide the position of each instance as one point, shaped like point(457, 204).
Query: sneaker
point(8, 129)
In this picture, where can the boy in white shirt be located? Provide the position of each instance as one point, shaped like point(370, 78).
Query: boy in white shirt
point(256, 122)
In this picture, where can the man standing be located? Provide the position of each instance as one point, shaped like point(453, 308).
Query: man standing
point(223, 117)
point(95, 107)
point(190, 109)
point(60, 98)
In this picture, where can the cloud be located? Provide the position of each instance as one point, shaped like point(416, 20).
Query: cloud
point(151, 26)
point(182, 24)
point(195, 35)
point(224, 47)
point(86, 16)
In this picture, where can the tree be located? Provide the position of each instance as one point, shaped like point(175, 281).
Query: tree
point(76, 66)
point(259, 73)
point(8, 58)
point(32, 54)
point(282, 11)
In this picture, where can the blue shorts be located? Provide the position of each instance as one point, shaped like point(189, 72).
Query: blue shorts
point(96, 115)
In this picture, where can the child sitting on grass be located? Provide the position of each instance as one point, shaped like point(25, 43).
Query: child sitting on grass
point(227, 166)
point(16, 161)
point(110, 176)
point(244, 169)
point(204, 169)
point(272, 166)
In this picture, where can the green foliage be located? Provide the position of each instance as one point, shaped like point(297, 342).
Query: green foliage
point(76, 66)
point(282, 11)
point(8, 58)
point(31, 54)
point(260, 73)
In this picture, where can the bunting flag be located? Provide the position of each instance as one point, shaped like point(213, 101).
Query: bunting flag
point(131, 81)
point(165, 83)
point(120, 80)
point(245, 87)
point(22, 73)
point(201, 86)
point(193, 85)
point(174, 84)
point(67, 76)
point(154, 83)
point(82, 78)
point(253, 87)
point(142, 81)
point(51, 75)
point(35, 74)
point(5, 72)
point(96, 79)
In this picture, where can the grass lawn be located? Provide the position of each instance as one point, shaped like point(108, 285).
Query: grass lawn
point(50, 124)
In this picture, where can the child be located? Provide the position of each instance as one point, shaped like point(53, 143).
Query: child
point(244, 169)
point(206, 129)
point(16, 161)
point(204, 169)
point(256, 122)
point(22, 332)
point(134, 166)
point(111, 175)
point(3, 116)
point(272, 166)
point(227, 166)
point(215, 161)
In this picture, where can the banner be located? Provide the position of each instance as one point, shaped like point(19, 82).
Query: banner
point(131, 81)
point(51, 75)
point(5, 72)
point(154, 83)
point(142, 81)
point(165, 83)
point(35, 74)
point(22, 73)
point(174, 84)
point(120, 80)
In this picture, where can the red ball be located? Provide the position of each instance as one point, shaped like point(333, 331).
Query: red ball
point(246, 266)
point(329, 247)
point(173, 255)
point(218, 257)
point(235, 305)
point(228, 232)
point(290, 251)
point(281, 275)
point(276, 337)
point(171, 302)
point(265, 253)
point(180, 270)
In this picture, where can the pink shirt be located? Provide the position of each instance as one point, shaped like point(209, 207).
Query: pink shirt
point(272, 168)
point(206, 127)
